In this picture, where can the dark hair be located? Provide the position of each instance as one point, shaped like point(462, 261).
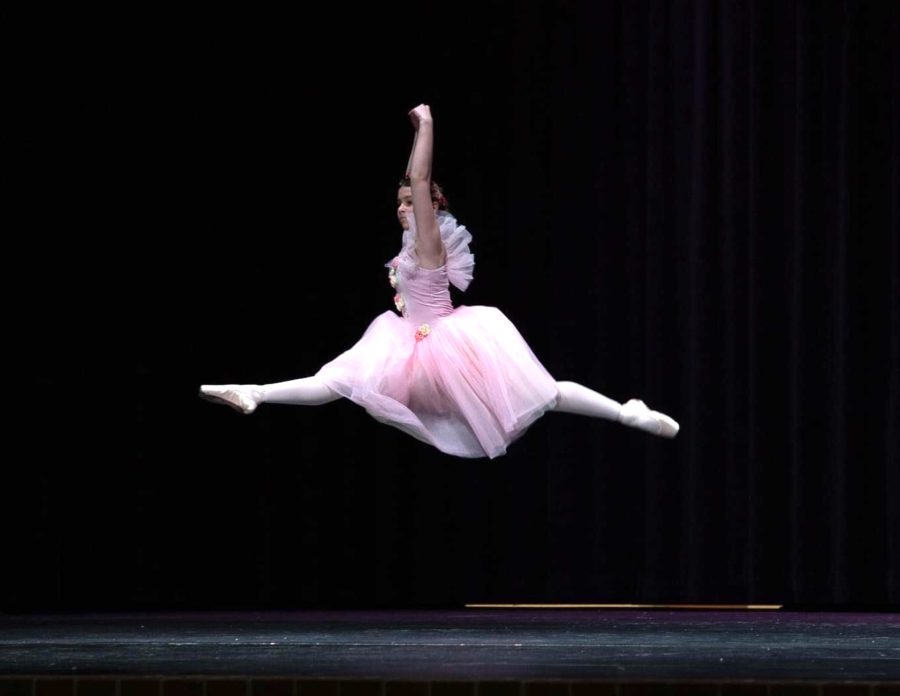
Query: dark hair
point(437, 193)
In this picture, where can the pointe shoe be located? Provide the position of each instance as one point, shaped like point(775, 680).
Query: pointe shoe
point(636, 414)
point(240, 397)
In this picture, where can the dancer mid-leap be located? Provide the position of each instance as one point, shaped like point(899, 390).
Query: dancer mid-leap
point(461, 379)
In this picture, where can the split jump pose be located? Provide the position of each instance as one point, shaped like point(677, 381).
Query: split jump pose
point(461, 379)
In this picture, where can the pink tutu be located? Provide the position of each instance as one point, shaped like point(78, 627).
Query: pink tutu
point(463, 380)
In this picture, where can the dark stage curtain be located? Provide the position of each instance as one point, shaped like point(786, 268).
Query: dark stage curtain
point(694, 203)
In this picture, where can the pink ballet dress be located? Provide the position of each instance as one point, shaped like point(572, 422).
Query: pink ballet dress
point(463, 380)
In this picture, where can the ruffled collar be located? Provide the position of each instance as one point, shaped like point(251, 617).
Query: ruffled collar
point(460, 262)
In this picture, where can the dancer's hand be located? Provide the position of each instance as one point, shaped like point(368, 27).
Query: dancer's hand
point(421, 114)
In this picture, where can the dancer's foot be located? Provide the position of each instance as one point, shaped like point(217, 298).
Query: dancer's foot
point(636, 415)
point(242, 397)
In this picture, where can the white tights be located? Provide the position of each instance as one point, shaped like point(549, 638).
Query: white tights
point(573, 398)
point(311, 391)
point(308, 391)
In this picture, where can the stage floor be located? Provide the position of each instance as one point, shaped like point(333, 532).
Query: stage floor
point(472, 644)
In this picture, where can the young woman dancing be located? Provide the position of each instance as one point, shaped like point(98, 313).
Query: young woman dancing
point(461, 379)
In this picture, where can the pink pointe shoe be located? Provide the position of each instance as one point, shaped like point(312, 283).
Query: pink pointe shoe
point(240, 397)
point(636, 414)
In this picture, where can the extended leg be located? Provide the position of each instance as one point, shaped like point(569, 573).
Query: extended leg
point(575, 398)
point(308, 391)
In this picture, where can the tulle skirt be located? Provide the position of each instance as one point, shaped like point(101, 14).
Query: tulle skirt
point(469, 388)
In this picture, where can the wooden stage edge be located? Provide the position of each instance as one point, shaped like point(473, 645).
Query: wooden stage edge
point(694, 607)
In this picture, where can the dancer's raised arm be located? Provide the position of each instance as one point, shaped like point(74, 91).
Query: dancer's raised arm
point(429, 247)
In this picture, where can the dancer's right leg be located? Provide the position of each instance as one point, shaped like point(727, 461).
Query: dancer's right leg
point(308, 391)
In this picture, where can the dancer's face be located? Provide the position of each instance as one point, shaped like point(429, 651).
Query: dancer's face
point(404, 205)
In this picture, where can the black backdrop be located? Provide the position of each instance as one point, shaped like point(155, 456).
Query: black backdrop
point(690, 202)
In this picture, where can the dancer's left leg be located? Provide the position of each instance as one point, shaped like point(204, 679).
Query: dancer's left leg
point(576, 398)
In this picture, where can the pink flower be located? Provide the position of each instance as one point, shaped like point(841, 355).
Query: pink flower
point(422, 332)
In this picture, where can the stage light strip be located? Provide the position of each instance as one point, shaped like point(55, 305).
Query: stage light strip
point(747, 607)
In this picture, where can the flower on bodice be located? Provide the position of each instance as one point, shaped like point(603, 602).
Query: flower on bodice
point(422, 332)
point(392, 273)
point(399, 303)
